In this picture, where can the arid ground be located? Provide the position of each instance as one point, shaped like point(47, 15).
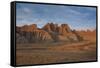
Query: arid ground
point(44, 53)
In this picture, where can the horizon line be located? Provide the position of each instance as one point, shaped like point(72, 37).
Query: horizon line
point(81, 29)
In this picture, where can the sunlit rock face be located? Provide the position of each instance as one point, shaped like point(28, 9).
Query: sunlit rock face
point(60, 33)
point(48, 33)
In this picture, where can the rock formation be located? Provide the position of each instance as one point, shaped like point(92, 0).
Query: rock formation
point(60, 33)
point(50, 27)
point(49, 33)
point(28, 28)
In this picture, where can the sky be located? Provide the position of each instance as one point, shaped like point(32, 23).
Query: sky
point(77, 17)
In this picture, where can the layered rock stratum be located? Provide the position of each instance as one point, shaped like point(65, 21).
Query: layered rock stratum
point(48, 33)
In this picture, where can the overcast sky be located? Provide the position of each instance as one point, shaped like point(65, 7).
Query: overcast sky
point(77, 17)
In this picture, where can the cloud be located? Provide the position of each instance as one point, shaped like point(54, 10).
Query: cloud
point(27, 10)
point(77, 17)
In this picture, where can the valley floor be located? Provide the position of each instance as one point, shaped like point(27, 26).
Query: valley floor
point(45, 53)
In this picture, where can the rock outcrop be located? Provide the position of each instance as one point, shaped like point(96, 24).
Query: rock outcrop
point(28, 28)
point(50, 27)
point(49, 33)
point(31, 34)
point(60, 33)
